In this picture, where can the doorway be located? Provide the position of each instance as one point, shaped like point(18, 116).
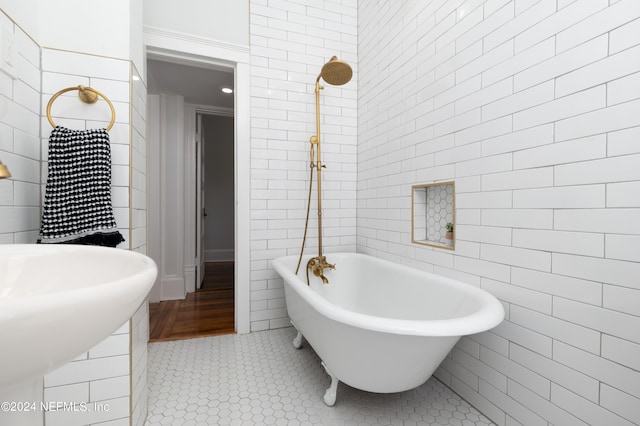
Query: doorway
point(215, 236)
point(198, 273)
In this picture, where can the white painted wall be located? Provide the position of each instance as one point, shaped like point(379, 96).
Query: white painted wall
point(99, 27)
point(219, 242)
point(112, 28)
point(290, 42)
point(137, 52)
point(532, 108)
point(171, 197)
point(24, 14)
point(222, 20)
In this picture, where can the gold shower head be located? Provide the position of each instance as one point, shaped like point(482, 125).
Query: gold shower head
point(336, 72)
point(4, 172)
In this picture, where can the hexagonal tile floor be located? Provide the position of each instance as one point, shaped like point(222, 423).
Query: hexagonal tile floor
point(261, 379)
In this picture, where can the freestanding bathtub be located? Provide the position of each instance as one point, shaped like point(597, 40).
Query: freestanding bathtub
point(379, 326)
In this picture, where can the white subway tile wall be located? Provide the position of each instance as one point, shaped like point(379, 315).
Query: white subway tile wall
point(137, 190)
point(136, 153)
point(290, 41)
point(98, 380)
point(532, 108)
point(112, 78)
point(137, 378)
point(20, 141)
point(111, 377)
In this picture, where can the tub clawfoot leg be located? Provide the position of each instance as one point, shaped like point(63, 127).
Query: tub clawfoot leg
point(297, 341)
point(330, 394)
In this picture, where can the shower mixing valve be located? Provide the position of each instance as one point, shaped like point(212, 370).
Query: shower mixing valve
point(317, 266)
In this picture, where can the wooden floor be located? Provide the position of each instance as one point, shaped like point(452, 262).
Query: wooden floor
point(208, 311)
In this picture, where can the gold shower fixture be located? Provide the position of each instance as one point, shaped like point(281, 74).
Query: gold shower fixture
point(4, 171)
point(336, 73)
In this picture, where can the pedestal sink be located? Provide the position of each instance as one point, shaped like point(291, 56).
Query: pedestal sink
point(56, 302)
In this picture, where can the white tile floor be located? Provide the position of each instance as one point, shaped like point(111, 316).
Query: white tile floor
point(261, 379)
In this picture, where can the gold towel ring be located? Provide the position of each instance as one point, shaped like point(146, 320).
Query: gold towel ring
point(87, 95)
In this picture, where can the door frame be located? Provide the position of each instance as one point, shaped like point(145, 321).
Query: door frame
point(167, 46)
point(200, 200)
point(191, 112)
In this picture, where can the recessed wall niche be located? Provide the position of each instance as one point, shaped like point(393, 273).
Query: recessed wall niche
point(433, 214)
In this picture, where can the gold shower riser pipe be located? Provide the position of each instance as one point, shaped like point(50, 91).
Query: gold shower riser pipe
point(318, 167)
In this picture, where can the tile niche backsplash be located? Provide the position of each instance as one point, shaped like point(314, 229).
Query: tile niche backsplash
point(433, 208)
point(439, 211)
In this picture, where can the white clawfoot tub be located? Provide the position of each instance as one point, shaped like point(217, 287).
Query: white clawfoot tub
point(380, 326)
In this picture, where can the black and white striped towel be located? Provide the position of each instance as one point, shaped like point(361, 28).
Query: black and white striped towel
point(77, 202)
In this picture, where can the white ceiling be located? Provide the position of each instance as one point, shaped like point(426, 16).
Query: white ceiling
point(200, 86)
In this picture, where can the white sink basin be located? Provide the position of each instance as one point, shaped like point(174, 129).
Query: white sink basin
point(58, 301)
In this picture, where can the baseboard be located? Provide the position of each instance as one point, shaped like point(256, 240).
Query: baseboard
point(219, 255)
point(172, 288)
